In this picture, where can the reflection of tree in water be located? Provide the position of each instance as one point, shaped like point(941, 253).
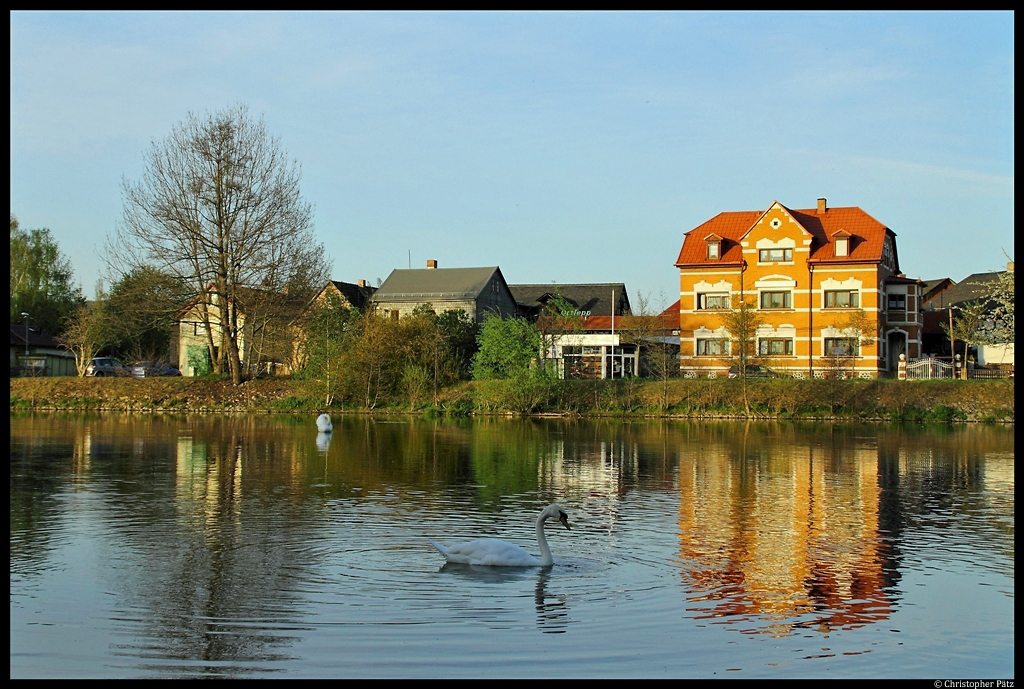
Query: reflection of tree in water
point(39, 471)
point(212, 509)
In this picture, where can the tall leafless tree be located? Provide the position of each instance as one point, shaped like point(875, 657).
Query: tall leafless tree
point(218, 205)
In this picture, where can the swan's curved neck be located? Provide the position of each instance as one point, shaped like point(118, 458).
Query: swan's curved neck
point(545, 552)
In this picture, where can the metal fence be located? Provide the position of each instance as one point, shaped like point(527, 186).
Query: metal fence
point(931, 368)
point(928, 368)
point(988, 374)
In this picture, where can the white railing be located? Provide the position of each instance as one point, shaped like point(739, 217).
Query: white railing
point(928, 368)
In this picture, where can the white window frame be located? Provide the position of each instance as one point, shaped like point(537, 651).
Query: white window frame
point(788, 345)
point(787, 299)
point(723, 343)
point(854, 298)
point(765, 255)
point(702, 298)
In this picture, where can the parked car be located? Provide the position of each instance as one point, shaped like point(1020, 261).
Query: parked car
point(106, 366)
point(753, 371)
point(149, 369)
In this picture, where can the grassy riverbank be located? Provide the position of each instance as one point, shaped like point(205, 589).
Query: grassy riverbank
point(878, 400)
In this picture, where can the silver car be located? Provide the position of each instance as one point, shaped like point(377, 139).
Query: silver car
point(106, 366)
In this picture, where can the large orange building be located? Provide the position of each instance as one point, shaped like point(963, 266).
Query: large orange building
point(824, 283)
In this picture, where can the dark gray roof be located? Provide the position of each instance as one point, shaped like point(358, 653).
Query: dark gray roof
point(357, 296)
point(593, 297)
point(932, 284)
point(420, 284)
point(972, 287)
point(36, 337)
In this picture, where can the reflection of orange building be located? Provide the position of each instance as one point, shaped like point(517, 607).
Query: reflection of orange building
point(794, 540)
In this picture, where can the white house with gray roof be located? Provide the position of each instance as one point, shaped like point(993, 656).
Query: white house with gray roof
point(477, 291)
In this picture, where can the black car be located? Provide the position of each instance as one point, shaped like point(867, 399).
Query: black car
point(149, 369)
point(753, 371)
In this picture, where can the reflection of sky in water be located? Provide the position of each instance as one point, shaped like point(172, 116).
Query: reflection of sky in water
point(235, 546)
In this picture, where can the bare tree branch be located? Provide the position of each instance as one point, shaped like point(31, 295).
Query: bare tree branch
point(218, 206)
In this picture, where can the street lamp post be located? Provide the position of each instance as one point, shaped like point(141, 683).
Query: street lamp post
point(26, 332)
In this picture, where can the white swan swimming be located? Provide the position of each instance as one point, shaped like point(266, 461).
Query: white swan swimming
point(497, 553)
point(323, 423)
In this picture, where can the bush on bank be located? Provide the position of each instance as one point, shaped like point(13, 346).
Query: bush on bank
point(902, 401)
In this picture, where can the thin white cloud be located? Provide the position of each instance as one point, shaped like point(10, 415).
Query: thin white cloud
point(996, 185)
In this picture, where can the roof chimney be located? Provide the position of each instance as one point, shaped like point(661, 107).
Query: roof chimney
point(362, 283)
point(1009, 266)
point(821, 207)
point(431, 263)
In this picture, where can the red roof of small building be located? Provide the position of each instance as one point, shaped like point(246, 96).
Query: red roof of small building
point(668, 320)
point(867, 235)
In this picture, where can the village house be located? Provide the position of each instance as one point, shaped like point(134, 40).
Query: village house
point(262, 323)
point(477, 291)
point(582, 342)
point(35, 352)
point(589, 299)
point(825, 283)
point(954, 296)
point(349, 295)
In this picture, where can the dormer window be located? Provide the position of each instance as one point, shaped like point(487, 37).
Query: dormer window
point(714, 246)
point(841, 241)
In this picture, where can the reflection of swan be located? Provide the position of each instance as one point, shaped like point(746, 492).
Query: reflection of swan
point(552, 613)
point(488, 575)
point(323, 441)
point(323, 423)
point(491, 551)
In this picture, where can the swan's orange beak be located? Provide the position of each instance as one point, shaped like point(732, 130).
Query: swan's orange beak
point(564, 519)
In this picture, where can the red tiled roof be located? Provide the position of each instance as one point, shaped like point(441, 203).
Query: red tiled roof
point(598, 322)
point(866, 244)
point(730, 226)
point(669, 319)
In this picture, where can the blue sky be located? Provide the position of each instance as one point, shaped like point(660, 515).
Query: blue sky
point(562, 147)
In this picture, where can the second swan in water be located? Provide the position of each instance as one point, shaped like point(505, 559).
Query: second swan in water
point(498, 553)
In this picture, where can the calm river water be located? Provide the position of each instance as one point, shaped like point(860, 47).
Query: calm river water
point(249, 546)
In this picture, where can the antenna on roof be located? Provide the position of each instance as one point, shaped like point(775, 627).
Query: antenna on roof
point(410, 259)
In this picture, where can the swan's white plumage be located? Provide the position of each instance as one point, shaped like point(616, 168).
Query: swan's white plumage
point(497, 553)
point(488, 551)
point(323, 423)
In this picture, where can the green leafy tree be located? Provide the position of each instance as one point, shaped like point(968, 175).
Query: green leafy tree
point(41, 280)
point(507, 346)
point(510, 367)
point(329, 332)
point(459, 331)
point(143, 304)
